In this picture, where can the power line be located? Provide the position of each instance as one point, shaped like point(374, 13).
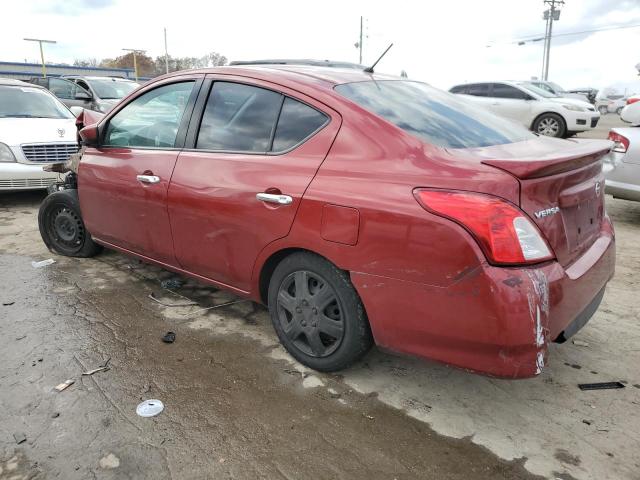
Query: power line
point(540, 37)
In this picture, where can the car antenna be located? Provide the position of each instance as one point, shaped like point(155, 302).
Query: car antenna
point(370, 69)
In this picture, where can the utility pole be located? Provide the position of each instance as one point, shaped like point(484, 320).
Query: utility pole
point(135, 52)
point(358, 44)
point(166, 55)
point(41, 41)
point(550, 15)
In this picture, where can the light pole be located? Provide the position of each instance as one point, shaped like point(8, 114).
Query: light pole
point(41, 41)
point(551, 14)
point(166, 53)
point(135, 51)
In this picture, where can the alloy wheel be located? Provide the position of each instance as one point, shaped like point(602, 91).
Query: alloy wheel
point(549, 126)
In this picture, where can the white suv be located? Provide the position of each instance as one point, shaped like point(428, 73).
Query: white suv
point(537, 109)
point(35, 129)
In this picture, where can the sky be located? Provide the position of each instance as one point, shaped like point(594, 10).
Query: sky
point(439, 42)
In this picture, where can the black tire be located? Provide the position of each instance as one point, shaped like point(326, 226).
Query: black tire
point(550, 125)
point(619, 110)
point(62, 228)
point(323, 325)
point(603, 110)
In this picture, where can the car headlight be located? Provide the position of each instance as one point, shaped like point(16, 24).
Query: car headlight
point(574, 108)
point(6, 155)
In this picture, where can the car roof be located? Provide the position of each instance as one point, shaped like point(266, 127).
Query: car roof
point(97, 77)
point(320, 76)
point(10, 82)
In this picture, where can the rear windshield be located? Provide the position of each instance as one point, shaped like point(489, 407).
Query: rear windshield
point(434, 116)
point(112, 89)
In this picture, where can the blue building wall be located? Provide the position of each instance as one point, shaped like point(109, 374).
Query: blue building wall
point(24, 71)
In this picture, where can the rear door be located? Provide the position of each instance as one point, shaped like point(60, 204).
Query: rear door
point(510, 102)
point(238, 183)
point(124, 182)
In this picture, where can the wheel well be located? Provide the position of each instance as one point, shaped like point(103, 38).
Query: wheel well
point(548, 113)
point(269, 267)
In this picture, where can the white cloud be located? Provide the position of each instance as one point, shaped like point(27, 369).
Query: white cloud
point(439, 42)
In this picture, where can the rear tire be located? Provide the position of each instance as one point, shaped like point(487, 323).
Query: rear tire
point(550, 125)
point(317, 313)
point(603, 110)
point(619, 110)
point(62, 228)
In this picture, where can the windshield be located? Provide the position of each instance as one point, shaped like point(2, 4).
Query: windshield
point(434, 116)
point(30, 102)
point(110, 88)
point(556, 87)
point(537, 90)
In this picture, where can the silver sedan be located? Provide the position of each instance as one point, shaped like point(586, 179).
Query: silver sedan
point(623, 181)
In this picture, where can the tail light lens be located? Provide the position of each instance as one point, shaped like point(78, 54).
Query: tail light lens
point(621, 142)
point(503, 231)
point(633, 100)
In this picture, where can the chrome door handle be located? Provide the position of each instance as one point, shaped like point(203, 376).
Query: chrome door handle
point(148, 178)
point(273, 198)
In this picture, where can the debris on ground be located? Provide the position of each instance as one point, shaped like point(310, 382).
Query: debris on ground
point(19, 437)
point(43, 263)
point(100, 368)
point(587, 422)
point(7, 304)
point(169, 337)
point(600, 386)
point(55, 415)
point(365, 415)
point(190, 314)
point(150, 408)
point(165, 304)
point(580, 343)
point(171, 283)
point(21, 337)
point(65, 385)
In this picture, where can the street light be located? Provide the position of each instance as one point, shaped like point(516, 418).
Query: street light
point(41, 41)
point(135, 62)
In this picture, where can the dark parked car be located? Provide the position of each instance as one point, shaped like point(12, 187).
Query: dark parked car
point(68, 92)
point(359, 207)
point(105, 91)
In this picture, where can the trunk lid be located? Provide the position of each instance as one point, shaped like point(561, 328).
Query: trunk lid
point(561, 187)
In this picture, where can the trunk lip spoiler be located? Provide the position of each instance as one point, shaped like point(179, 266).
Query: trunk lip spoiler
point(528, 168)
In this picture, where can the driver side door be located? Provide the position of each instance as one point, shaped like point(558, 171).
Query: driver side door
point(124, 181)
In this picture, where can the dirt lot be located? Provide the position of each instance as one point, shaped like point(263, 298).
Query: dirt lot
point(236, 406)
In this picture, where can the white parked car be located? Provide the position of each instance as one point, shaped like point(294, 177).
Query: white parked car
point(557, 90)
point(624, 180)
point(536, 109)
point(35, 129)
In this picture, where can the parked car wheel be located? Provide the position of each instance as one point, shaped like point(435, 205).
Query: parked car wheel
point(619, 110)
point(603, 109)
point(62, 228)
point(317, 313)
point(550, 124)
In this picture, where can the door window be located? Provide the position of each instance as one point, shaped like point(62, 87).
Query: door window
point(239, 118)
point(296, 123)
point(152, 119)
point(62, 88)
point(479, 90)
point(501, 90)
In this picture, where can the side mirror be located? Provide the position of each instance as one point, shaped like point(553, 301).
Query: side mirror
point(89, 135)
point(80, 95)
point(77, 111)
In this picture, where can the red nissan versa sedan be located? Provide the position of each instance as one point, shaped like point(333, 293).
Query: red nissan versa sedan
point(359, 207)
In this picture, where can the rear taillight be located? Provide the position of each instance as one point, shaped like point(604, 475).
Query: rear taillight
point(503, 231)
point(633, 100)
point(621, 142)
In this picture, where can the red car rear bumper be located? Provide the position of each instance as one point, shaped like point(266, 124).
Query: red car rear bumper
point(493, 320)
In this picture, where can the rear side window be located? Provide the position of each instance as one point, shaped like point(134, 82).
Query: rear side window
point(433, 116)
point(296, 123)
point(458, 89)
point(239, 118)
point(479, 89)
point(501, 90)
